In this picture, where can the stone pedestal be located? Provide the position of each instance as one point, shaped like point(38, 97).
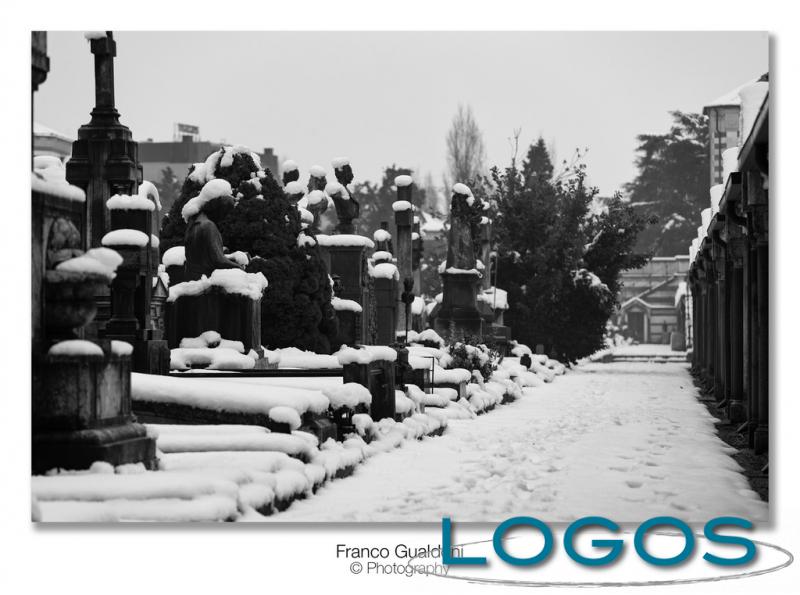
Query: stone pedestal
point(82, 413)
point(379, 378)
point(349, 328)
point(386, 310)
point(403, 250)
point(459, 316)
point(349, 263)
point(235, 317)
point(131, 313)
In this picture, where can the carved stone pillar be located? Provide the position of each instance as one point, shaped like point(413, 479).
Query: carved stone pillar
point(758, 223)
point(736, 407)
point(404, 220)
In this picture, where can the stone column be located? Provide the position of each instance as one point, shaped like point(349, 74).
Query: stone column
point(386, 302)
point(710, 321)
point(486, 251)
point(758, 215)
point(736, 407)
point(721, 320)
point(104, 158)
point(403, 218)
point(416, 255)
point(131, 295)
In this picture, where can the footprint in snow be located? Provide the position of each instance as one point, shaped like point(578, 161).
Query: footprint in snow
point(634, 483)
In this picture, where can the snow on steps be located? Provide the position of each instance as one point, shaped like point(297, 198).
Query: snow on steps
point(240, 472)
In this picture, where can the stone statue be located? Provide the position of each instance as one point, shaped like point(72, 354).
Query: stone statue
point(204, 248)
point(347, 208)
point(460, 245)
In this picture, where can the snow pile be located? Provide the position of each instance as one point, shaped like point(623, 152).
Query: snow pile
point(430, 336)
point(496, 298)
point(334, 188)
point(381, 235)
point(730, 162)
point(306, 216)
point(294, 188)
point(233, 281)
point(481, 400)
point(175, 256)
point(451, 376)
point(178, 510)
point(382, 256)
point(342, 305)
point(317, 171)
point(265, 461)
point(305, 241)
point(214, 188)
point(149, 191)
point(49, 176)
point(290, 444)
point(125, 237)
point(365, 354)
point(313, 198)
point(239, 258)
point(458, 271)
point(90, 35)
point(339, 162)
point(130, 203)
point(752, 98)
point(385, 270)
point(97, 261)
point(334, 457)
point(121, 348)
point(212, 358)
point(402, 404)
point(285, 415)
point(349, 395)
point(715, 192)
point(345, 239)
point(462, 189)
point(403, 180)
point(75, 348)
point(224, 394)
point(401, 205)
point(291, 357)
point(520, 349)
point(417, 306)
point(289, 165)
point(206, 339)
point(706, 215)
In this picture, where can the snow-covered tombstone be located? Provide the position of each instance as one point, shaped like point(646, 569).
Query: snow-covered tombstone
point(81, 389)
point(458, 316)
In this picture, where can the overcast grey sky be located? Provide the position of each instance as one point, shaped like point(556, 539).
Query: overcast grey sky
point(388, 97)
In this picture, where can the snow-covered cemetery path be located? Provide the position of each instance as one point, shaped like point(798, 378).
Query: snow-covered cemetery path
point(623, 440)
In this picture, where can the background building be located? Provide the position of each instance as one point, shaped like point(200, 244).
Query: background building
point(47, 141)
point(723, 129)
point(648, 312)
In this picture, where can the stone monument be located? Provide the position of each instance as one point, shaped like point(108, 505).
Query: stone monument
point(81, 400)
point(458, 316)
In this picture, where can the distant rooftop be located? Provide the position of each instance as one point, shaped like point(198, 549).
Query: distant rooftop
point(731, 98)
point(42, 130)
